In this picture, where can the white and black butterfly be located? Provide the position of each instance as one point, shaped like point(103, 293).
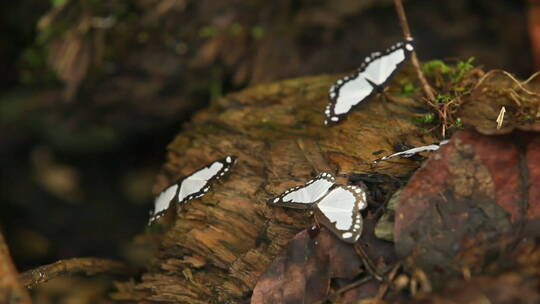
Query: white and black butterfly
point(336, 206)
point(373, 75)
point(192, 186)
point(410, 152)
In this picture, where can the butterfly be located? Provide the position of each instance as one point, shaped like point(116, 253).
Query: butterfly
point(336, 206)
point(410, 152)
point(191, 186)
point(373, 75)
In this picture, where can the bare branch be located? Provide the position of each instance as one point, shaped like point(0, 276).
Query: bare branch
point(11, 290)
point(428, 90)
point(85, 266)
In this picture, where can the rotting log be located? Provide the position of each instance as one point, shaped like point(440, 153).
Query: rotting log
point(216, 247)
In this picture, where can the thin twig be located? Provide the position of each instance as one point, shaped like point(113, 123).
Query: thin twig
point(11, 289)
point(353, 285)
point(86, 266)
point(368, 264)
point(383, 289)
point(414, 59)
point(346, 288)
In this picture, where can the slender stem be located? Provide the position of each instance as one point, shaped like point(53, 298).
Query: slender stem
point(11, 289)
point(360, 282)
point(86, 266)
point(368, 264)
point(384, 287)
point(353, 285)
point(428, 91)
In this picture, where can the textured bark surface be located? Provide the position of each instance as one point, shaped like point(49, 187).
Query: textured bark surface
point(216, 247)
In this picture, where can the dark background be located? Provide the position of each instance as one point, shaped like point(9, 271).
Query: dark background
point(92, 91)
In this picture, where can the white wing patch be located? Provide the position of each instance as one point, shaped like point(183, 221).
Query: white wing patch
point(410, 152)
point(341, 210)
point(339, 205)
point(352, 91)
point(162, 202)
point(192, 186)
point(196, 184)
point(380, 69)
point(308, 193)
point(374, 73)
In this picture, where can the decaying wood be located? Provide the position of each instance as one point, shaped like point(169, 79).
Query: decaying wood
point(219, 245)
point(86, 266)
point(11, 289)
point(215, 249)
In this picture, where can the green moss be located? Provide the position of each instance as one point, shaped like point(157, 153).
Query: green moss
point(236, 29)
point(408, 89)
point(462, 68)
point(58, 2)
point(433, 67)
point(257, 32)
point(458, 123)
point(424, 119)
point(207, 31)
point(455, 73)
point(443, 98)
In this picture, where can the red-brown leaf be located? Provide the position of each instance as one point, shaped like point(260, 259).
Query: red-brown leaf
point(303, 272)
point(476, 191)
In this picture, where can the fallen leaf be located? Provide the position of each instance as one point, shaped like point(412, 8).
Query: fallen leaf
point(468, 203)
point(302, 273)
point(314, 265)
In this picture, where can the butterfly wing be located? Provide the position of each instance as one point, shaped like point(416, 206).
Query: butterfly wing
point(162, 202)
point(303, 197)
point(382, 67)
point(198, 183)
point(345, 95)
point(340, 209)
point(413, 151)
point(374, 73)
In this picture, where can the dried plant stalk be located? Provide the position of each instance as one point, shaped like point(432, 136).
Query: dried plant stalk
point(11, 290)
point(428, 90)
